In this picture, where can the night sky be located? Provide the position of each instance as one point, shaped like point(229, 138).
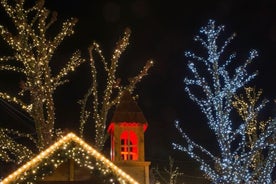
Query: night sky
point(162, 31)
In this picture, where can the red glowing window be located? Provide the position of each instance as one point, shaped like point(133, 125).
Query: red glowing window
point(129, 149)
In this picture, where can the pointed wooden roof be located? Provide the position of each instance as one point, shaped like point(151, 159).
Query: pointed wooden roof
point(128, 111)
point(61, 147)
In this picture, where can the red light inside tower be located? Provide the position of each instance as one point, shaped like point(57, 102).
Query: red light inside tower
point(129, 146)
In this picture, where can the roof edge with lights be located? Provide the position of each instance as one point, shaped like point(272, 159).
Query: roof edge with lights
point(70, 137)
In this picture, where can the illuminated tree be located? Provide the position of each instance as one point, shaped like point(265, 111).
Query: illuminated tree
point(246, 107)
point(12, 151)
point(32, 51)
point(168, 175)
point(213, 87)
point(112, 91)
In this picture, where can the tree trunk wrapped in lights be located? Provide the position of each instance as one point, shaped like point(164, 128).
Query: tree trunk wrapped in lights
point(113, 89)
point(219, 86)
point(33, 50)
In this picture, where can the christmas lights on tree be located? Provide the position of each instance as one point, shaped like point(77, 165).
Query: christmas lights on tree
point(32, 52)
point(10, 150)
point(113, 89)
point(168, 175)
point(249, 107)
point(219, 86)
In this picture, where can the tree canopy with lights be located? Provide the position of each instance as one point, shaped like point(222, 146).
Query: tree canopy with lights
point(113, 90)
point(31, 50)
point(213, 86)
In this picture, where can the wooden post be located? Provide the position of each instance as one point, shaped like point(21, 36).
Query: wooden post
point(71, 170)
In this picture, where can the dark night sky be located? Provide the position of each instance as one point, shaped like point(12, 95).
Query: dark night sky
point(162, 31)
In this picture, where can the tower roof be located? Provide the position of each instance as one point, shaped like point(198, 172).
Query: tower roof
point(128, 110)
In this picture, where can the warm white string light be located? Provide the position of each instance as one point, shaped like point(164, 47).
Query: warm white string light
point(113, 89)
point(32, 52)
point(33, 165)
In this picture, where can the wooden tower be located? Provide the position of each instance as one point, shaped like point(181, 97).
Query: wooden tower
point(127, 129)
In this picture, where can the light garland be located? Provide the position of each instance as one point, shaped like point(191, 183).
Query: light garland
point(32, 166)
point(168, 175)
point(218, 86)
point(113, 90)
point(32, 52)
point(249, 108)
point(10, 149)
